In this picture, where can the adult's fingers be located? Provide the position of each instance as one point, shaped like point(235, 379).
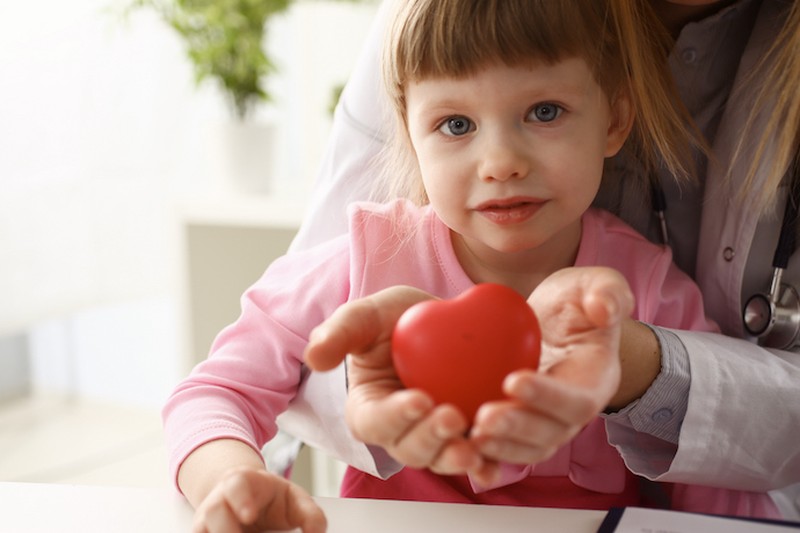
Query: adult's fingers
point(382, 418)
point(566, 402)
point(357, 326)
point(583, 298)
point(543, 413)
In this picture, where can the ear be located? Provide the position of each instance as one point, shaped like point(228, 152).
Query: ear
point(621, 123)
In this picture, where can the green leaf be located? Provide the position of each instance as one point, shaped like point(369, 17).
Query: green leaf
point(225, 43)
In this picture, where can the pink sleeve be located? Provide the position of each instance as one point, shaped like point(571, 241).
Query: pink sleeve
point(669, 298)
point(255, 365)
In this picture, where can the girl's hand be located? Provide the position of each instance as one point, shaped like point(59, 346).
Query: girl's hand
point(380, 411)
point(581, 312)
point(252, 499)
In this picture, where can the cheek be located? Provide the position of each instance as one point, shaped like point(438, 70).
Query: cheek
point(594, 143)
point(446, 192)
point(436, 182)
point(578, 156)
point(438, 168)
point(574, 169)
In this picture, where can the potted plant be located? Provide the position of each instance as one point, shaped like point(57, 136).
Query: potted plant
point(225, 43)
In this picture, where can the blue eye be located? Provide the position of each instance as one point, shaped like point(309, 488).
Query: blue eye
point(456, 126)
point(545, 112)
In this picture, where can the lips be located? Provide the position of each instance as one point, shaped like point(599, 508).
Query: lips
point(509, 210)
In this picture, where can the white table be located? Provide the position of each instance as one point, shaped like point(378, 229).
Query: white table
point(39, 508)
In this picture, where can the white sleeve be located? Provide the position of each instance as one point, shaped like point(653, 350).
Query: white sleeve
point(661, 409)
point(741, 425)
point(359, 132)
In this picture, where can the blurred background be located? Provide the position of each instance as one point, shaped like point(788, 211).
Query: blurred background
point(132, 214)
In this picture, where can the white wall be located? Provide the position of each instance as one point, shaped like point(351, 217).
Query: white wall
point(101, 130)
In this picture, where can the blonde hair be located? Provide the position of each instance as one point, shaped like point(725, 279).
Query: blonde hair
point(455, 38)
point(777, 77)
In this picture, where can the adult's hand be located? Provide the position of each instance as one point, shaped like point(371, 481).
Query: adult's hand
point(380, 410)
point(580, 312)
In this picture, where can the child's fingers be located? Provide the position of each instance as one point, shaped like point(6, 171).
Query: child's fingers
point(248, 499)
point(281, 504)
point(304, 512)
point(238, 493)
point(216, 518)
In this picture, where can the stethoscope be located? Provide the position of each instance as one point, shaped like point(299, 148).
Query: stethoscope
point(773, 318)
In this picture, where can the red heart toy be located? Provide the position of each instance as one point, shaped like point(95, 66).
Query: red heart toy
point(459, 351)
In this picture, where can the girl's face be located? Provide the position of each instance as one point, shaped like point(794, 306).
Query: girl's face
point(511, 157)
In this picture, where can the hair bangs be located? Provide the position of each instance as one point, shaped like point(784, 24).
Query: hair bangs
point(452, 38)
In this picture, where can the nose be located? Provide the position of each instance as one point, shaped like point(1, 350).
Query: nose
point(503, 157)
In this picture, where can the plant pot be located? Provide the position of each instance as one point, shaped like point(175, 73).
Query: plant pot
point(247, 155)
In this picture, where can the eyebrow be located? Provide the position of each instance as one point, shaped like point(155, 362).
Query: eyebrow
point(546, 93)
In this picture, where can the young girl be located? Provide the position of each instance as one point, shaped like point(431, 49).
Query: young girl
point(507, 111)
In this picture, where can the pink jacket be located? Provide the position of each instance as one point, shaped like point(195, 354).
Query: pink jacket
point(254, 376)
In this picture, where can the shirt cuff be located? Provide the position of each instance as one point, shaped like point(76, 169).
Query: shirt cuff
point(661, 409)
